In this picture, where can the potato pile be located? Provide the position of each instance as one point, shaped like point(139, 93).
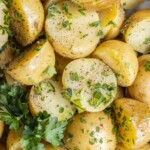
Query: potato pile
point(83, 61)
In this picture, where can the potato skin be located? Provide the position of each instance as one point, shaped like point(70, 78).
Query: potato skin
point(90, 131)
point(140, 89)
point(29, 67)
point(121, 58)
point(27, 20)
point(133, 121)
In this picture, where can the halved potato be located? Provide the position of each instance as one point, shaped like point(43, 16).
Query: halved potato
point(46, 96)
point(27, 20)
point(3, 24)
point(6, 56)
point(61, 63)
point(14, 143)
point(121, 58)
point(72, 30)
point(133, 119)
point(130, 4)
point(90, 84)
point(112, 20)
point(137, 30)
point(1, 128)
point(145, 147)
point(140, 89)
point(95, 4)
point(90, 131)
point(34, 65)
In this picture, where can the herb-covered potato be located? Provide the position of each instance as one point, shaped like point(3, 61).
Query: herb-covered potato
point(121, 58)
point(133, 121)
point(95, 5)
point(130, 4)
point(137, 30)
point(46, 96)
point(6, 55)
point(34, 65)
point(140, 89)
point(112, 20)
point(90, 131)
point(145, 147)
point(1, 128)
point(73, 31)
point(61, 63)
point(90, 84)
point(4, 24)
point(27, 20)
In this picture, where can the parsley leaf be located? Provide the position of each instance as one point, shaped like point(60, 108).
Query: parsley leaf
point(147, 66)
point(52, 10)
point(65, 7)
point(74, 76)
point(66, 24)
point(82, 11)
point(94, 24)
point(112, 23)
point(13, 101)
point(49, 71)
point(147, 40)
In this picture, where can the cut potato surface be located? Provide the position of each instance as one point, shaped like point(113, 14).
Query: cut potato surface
point(34, 65)
point(112, 20)
point(95, 4)
point(140, 89)
point(133, 120)
point(47, 96)
point(90, 131)
point(90, 84)
point(72, 30)
point(137, 31)
point(27, 20)
point(145, 147)
point(3, 25)
point(130, 4)
point(121, 58)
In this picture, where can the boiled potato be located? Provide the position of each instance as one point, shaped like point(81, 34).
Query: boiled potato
point(2, 146)
point(61, 63)
point(145, 147)
point(47, 96)
point(130, 4)
point(137, 30)
point(1, 128)
point(133, 119)
point(72, 30)
point(140, 89)
point(9, 79)
point(121, 58)
point(90, 131)
point(95, 5)
point(14, 143)
point(90, 84)
point(6, 56)
point(112, 20)
point(27, 20)
point(34, 65)
point(4, 25)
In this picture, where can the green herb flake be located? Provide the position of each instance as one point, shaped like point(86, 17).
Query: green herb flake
point(147, 66)
point(94, 24)
point(74, 76)
point(147, 40)
point(82, 11)
point(52, 10)
point(65, 7)
point(66, 24)
point(49, 71)
point(101, 140)
point(112, 23)
point(93, 141)
point(83, 120)
point(17, 15)
point(100, 33)
point(92, 134)
point(6, 17)
point(61, 109)
point(97, 129)
point(67, 93)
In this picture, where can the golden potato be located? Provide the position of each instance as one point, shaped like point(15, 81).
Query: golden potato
point(4, 25)
point(34, 65)
point(130, 4)
point(27, 20)
point(46, 96)
point(137, 30)
point(90, 84)
point(6, 56)
point(112, 20)
point(121, 58)
point(90, 131)
point(133, 121)
point(95, 5)
point(140, 89)
point(72, 30)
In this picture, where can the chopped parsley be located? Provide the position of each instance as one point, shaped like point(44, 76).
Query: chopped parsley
point(52, 10)
point(147, 66)
point(66, 24)
point(67, 93)
point(74, 76)
point(147, 40)
point(94, 24)
point(112, 23)
point(100, 33)
point(61, 109)
point(49, 71)
point(6, 17)
point(82, 11)
point(83, 120)
point(65, 7)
